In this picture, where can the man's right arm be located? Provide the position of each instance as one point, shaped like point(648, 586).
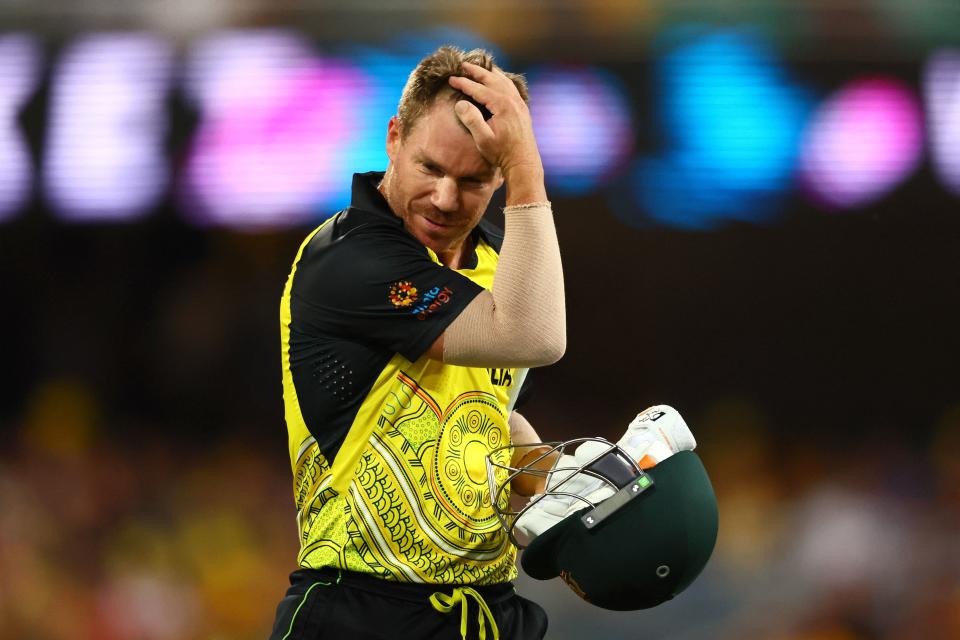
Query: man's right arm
point(522, 320)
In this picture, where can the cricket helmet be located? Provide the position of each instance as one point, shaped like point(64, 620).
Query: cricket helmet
point(637, 539)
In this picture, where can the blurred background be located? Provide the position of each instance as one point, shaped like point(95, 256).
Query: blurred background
point(759, 209)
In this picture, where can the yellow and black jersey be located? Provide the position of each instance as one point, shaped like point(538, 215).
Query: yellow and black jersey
point(388, 446)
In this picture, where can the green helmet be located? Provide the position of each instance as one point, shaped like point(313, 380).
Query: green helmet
point(640, 546)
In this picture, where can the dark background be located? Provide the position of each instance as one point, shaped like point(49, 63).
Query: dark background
point(144, 476)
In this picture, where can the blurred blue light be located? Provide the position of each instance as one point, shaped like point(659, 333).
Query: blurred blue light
point(733, 122)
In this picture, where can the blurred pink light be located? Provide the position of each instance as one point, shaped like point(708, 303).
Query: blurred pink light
point(20, 58)
point(862, 142)
point(941, 87)
point(276, 122)
point(583, 124)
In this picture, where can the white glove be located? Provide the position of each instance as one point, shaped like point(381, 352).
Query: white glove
point(654, 435)
point(552, 508)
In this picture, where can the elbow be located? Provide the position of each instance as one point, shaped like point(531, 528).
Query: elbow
point(548, 339)
point(554, 350)
point(555, 339)
point(546, 349)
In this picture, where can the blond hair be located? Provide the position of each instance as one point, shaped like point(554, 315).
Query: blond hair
point(429, 78)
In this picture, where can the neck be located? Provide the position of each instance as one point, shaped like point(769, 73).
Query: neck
point(453, 257)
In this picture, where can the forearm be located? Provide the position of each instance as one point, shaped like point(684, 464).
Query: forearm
point(523, 433)
point(522, 320)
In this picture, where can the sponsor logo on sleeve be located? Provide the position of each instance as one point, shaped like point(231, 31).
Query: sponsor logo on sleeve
point(432, 300)
point(402, 294)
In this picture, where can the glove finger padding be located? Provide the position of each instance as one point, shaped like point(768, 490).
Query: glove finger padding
point(656, 434)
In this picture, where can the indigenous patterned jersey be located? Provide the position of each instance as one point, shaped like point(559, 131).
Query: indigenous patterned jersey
point(388, 446)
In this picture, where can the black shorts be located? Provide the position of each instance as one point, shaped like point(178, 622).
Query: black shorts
point(339, 605)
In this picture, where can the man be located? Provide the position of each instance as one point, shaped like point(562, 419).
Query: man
point(405, 324)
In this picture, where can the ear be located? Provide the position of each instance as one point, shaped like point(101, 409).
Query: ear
point(393, 138)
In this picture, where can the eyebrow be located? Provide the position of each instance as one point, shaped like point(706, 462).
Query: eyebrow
point(421, 156)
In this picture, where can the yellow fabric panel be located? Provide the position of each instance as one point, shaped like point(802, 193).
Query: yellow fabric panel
point(406, 498)
point(417, 495)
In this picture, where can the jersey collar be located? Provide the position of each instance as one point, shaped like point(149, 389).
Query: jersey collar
point(366, 197)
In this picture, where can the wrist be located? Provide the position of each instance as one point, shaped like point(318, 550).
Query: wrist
point(525, 184)
point(528, 484)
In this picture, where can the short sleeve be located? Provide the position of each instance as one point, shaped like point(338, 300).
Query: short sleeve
point(376, 284)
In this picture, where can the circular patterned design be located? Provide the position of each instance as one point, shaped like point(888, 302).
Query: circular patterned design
point(452, 470)
point(475, 461)
point(402, 294)
point(459, 475)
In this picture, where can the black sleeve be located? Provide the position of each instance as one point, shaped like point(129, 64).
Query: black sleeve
point(376, 284)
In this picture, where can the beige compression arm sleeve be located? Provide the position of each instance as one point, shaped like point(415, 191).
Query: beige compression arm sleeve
point(521, 322)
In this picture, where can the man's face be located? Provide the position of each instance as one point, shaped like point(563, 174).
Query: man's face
point(437, 180)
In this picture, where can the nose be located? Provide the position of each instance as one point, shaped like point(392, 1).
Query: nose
point(446, 194)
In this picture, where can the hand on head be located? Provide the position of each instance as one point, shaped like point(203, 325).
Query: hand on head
point(506, 140)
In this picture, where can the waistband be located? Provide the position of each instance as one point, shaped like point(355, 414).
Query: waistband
point(408, 591)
